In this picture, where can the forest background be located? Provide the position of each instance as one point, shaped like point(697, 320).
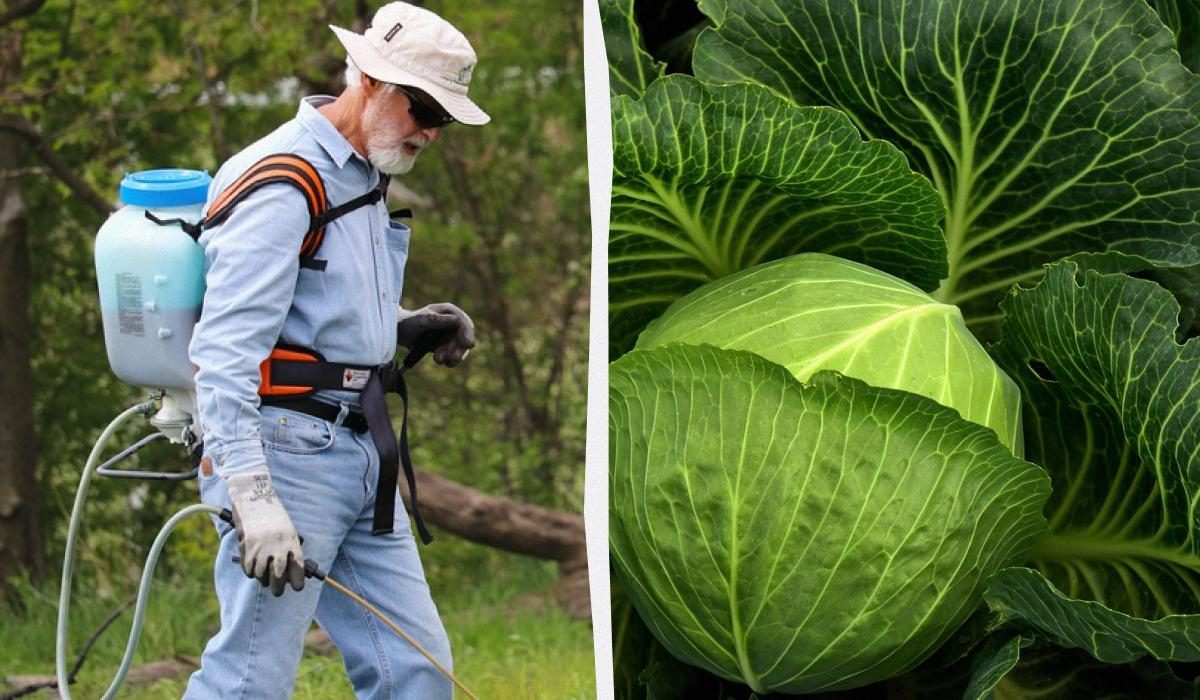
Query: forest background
point(90, 91)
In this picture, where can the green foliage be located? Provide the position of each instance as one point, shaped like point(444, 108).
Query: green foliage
point(501, 229)
point(630, 68)
point(504, 628)
point(1124, 514)
point(1062, 139)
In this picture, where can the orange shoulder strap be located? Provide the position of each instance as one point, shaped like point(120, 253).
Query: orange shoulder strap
point(284, 168)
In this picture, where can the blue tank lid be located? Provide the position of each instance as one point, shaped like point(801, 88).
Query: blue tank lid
point(168, 187)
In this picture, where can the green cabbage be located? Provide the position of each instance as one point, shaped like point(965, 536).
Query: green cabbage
point(796, 536)
point(791, 528)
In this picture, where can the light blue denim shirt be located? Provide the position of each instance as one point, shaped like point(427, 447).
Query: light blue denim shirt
point(258, 295)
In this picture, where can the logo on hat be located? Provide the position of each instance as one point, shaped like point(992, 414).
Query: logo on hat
point(464, 76)
point(392, 32)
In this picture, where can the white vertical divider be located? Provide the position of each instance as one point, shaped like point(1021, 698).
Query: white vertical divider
point(595, 508)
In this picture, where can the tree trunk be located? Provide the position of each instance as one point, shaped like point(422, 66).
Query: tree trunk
point(20, 534)
point(514, 527)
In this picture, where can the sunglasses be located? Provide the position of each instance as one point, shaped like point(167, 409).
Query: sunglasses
point(427, 113)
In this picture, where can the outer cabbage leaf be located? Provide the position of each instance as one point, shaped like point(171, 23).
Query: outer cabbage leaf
point(998, 656)
point(811, 312)
point(799, 537)
point(1110, 636)
point(1112, 410)
point(1049, 127)
point(1182, 282)
point(1182, 17)
point(1069, 674)
point(709, 180)
point(630, 67)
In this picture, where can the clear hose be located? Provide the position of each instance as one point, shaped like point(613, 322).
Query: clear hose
point(68, 569)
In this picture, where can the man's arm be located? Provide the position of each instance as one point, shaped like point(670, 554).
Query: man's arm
point(252, 262)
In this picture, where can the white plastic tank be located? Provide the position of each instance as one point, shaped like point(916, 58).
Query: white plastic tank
point(151, 278)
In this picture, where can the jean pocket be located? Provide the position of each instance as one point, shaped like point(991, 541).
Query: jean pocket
point(298, 433)
point(213, 492)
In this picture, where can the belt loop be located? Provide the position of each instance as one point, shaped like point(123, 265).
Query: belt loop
point(342, 413)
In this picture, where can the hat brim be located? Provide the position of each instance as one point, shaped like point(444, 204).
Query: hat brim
point(372, 63)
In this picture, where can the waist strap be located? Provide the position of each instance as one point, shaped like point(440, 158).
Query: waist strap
point(311, 373)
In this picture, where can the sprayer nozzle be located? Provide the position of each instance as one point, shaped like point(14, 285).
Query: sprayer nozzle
point(313, 570)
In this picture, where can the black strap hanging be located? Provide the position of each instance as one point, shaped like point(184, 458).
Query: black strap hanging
point(393, 453)
point(193, 230)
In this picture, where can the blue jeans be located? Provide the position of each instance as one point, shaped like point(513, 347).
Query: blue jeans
point(325, 474)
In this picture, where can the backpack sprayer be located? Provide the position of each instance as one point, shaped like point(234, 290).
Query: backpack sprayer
point(150, 271)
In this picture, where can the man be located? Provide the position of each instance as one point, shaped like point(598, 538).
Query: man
point(303, 477)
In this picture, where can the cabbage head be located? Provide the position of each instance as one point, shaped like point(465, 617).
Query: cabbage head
point(812, 311)
point(800, 536)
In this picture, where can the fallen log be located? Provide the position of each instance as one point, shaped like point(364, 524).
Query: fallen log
point(138, 675)
point(512, 526)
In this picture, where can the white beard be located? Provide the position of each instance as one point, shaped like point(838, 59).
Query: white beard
point(390, 159)
point(385, 151)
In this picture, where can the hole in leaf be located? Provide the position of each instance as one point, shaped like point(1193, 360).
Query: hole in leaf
point(1041, 370)
point(1186, 671)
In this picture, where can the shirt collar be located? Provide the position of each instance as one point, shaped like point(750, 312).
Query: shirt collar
point(324, 131)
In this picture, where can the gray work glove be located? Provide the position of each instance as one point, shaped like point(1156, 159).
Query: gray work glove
point(267, 540)
point(438, 318)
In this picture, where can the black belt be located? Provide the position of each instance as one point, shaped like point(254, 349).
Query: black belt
point(393, 453)
point(354, 420)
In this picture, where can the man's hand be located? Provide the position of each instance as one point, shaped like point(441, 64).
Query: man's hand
point(438, 318)
point(267, 540)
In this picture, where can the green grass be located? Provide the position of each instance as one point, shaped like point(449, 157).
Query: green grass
point(508, 637)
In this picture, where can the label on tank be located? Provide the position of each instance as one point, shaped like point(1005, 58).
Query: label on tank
point(129, 304)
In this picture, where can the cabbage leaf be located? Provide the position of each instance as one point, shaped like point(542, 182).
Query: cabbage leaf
point(630, 67)
point(1183, 18)
point(1096, 357)
point(803, 537)
point(1048, 127)
point(709, 180)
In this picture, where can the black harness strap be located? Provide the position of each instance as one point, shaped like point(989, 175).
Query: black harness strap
point(393, 453)
point(362, 200)
point(193, 230)
point(320, 374)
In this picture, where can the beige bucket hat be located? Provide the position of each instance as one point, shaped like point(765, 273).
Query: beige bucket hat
point(409, 45)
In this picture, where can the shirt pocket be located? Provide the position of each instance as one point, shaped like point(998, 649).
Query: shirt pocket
point(398, 236)
point(296, 432)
